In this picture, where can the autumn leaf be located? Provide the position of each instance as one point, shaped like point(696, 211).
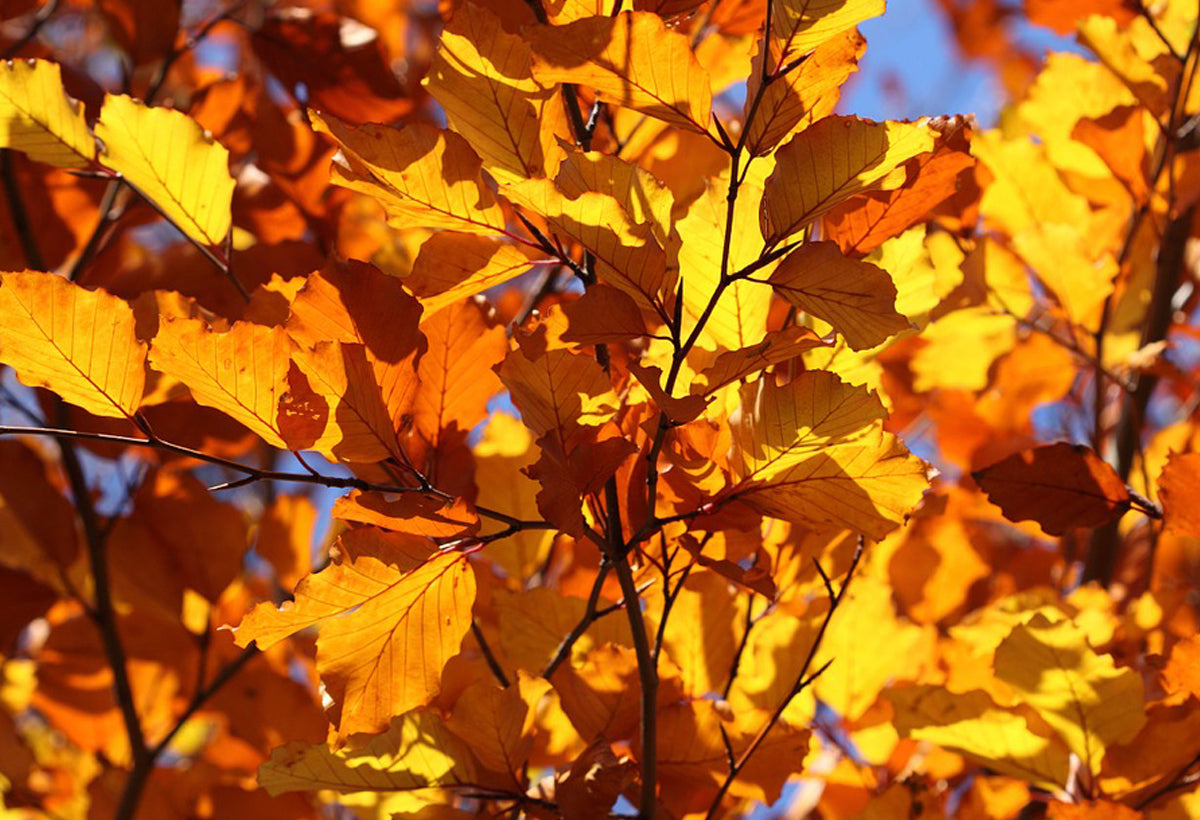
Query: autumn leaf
point(631, 58)
point(420, 174)
point(971, 723)
point(802, 96)
point(482, 76)
point(857, 298)
point(38, 118)
point(832, 160)
point(241, 372)
point(799, 25)
point(1087, 700)
point(1061, 486)
point(390, 615)
point(80, 343)
point(1181, 475)
point(812, 451)
point(415, 752)
point(167, 156)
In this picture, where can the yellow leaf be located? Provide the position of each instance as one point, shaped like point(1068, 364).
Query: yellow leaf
point(731, 365)
point(831, 161)
point(422, 176)
point(799, 26)
point(453, 266)
point(498, 723)
point(416, 752)
point(774, 656)
point(1083, 695)
point(242, 372)
point(482, 76)
point(456, 375)
point(76, 342)
point(699, 636)
point(633, 60)
point(972, 724)
point(857, 298)
point(170, 159)
point(361, 422)
point(865, 660)
point(803, 96)
point(533, 624)
point(558, 391)
point(505, 449)
point(38, 118)
point(813, 452)
point(646, 200)
point(390, 616)
point(960, 348)
point(629, 256)
point(740, 316)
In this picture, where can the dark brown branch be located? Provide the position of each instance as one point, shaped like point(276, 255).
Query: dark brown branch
point(259, 474)
point(40, 19)
point(486, 650)
point(590, 616)
point(131, 794)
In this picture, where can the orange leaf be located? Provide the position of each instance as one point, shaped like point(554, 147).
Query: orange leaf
point(413, 513)
point(390, 615)
point(632, 59)
point(1179, 489)
point(76, 342)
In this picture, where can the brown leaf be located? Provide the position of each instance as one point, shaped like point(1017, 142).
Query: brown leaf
point(1060, 486)
point(1179, 489)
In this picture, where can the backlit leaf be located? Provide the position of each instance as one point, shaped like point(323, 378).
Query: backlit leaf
point(812, 452)
point(79, 343)
point(1089, 701)
point(632, 59)
point(971, 723)
point(856, 297)
point(1178, 486)
point(832, 160)
point(420, 174)
point(241, 372)
point(167, 156)
point(1060, 486)
point(483, 78)
point(416, 752)
point(390, 615)
point(38, 118)
point(798, 26)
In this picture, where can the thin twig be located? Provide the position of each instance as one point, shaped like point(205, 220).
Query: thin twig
point(590, 616)
point(488, 656)
point(260, 474)
point(803, 678)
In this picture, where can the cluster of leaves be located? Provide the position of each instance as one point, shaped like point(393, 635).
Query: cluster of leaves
point(607, 382)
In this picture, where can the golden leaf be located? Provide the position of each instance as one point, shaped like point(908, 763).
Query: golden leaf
point(38, 118)
point(798, 26)
point(1083, 695)
point(632, 59)
point(422, 176)
point(170, 159)
point(483, 78)
point(971, 723)
point(390, 616)
point(416, 752)
point(242, 372)
point(813, 452)
point(856, 297)
point(832, 160)
point(76, 342)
